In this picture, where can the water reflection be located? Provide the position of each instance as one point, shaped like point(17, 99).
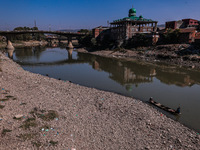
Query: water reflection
point(125, 72)
point(70, 53)
point(170, 86)
point(26, 53)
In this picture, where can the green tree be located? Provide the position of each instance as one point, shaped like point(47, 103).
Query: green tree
point(86, 41)
point(86, 31)
point(27, 37)
point(105, 41)
point(171, 36)
point(138, 40)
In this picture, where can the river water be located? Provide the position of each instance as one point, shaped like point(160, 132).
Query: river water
point(168, 85)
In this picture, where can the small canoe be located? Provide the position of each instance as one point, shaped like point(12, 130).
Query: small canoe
point(175, 112)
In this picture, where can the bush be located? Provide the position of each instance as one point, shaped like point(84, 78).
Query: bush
point(27, 37)
point(171, 36)
point(137, 41)
point(87, 41)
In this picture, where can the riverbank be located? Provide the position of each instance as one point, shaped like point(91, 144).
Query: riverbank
point(25, 44)
point(42, 112)
point(183, 55)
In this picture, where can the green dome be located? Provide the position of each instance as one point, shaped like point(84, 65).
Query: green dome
point(132, 12)
point(140, 16)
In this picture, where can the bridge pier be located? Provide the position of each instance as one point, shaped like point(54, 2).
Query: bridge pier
point(70, 45)
point(10, 53)
point(9, 44)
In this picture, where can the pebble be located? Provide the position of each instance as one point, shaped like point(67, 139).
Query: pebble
point(18, 116)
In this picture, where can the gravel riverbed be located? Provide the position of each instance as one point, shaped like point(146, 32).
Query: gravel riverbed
point(38, 112)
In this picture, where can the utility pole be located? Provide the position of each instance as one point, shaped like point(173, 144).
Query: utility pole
point(108, 23)
point(49, 27)
point(35, 23)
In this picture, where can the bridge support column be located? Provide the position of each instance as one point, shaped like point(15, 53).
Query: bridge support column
point(9, 44)
point(10, 53)
point(70, 45)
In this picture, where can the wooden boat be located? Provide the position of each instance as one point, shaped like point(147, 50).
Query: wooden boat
point(175, 112)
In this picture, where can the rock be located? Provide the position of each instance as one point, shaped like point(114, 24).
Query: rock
point(18, 116)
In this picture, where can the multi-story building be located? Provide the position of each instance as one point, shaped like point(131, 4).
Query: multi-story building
point(184, 23)
point(96, 31)
point(188, 29)
point(126, 28)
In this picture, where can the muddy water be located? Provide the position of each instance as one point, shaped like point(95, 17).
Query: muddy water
point(168, 85)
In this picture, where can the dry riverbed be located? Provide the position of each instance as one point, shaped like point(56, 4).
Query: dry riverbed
point(38, 112)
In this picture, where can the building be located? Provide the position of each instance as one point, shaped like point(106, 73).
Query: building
point(188, 29)
point(96, 31)
point(173, 24)
point(184, 23)
point(187, 35)
point(197, 38)
point(190, 23)
point(126, 28)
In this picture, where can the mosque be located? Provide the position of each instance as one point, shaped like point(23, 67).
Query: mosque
point(126, 28)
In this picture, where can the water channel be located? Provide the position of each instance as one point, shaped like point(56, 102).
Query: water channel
point(168, 85)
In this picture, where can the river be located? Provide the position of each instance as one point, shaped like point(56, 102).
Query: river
point(169, 85)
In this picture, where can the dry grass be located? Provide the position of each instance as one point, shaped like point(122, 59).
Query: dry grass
point(4, 99)
point(9, 96)
point(27, 136)
point(30, 122)
point(2, 106)
point(54, 143)
point(44, 115)
point(51, 115)
point(37, 144)
point(4, 131)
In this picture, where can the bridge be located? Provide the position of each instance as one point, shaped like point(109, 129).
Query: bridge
point(69, 35)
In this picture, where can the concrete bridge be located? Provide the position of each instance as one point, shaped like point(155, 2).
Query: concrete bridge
point(69, 35)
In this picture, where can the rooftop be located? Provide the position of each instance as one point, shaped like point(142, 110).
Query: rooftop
point(133, 17)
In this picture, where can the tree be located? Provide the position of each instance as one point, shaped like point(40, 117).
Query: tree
point(86, 31)
point(138, 40)
point(27, 37)
point(86, 40)
point(171, 36)
point(105, 41)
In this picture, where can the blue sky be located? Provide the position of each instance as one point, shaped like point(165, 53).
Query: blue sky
point(76, 14)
